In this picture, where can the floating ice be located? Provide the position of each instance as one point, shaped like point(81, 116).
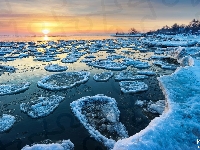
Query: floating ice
point(100, 116)
point(90, 56)
point(148, 73)
point(128, 75)
point(133, 86)
point(41, 107)
point(179, 123)
point(104, 76)
point(165, 65)
point(7, 89)
point(55, 68)
point(69, 59)
point(65, 80)
point(109, 65)
point(136, 63)
point(7, 68)
point(65, 145)
point(187, 61)
point(157, 107)
point(140, 103)
point(6, 122)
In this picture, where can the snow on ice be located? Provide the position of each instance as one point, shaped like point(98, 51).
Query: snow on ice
point(100, 116)
point(65, 80)
point(43, 106)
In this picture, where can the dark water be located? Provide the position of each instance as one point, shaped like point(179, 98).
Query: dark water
point(62, 124)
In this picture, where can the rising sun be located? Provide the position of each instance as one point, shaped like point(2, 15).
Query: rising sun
point(45, 31)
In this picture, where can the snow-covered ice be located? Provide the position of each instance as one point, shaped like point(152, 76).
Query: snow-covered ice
point(135, 63)
point(55, 68)
point(7, 89)
point(104, 76)
point(6, 122)
point(178, 127)
point(64, 145)
point(100, 116)
point(148, 73)
point(128, 75)
point(157, 107)
point(109, 65)
point(43, 106)
point(133, 86)
point(65, 80)
point(7, 68)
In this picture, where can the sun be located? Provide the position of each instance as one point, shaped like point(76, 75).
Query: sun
point(45, 31)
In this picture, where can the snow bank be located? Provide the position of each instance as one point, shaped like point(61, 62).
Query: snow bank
point(178, 127)
point(100, 116)
point(65, 80)
point(6, 122)
point(41, 107)
point(7, 89)
point(65, 145)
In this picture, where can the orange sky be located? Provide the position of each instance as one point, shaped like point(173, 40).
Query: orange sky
point(92, 17)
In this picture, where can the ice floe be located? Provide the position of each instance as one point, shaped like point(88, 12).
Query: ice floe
point(104, 76)
point(100, 116)
point(7, 89)
point(7, 68)
point(65, 80)
point(6, 122)
point(165, 65)
point(109, 65)
point(157, 107)
point(64, 145)
point(135, 63)
point(133, 86)
point(55, 68)
point(42, 107)
point(148, 73)
point(128, 75)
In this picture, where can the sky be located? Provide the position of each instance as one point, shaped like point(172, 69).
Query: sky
point(74, 17)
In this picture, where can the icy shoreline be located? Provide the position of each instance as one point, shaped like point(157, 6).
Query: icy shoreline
point(178, 126)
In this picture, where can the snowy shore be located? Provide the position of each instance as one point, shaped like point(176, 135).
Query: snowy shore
point(178, 127)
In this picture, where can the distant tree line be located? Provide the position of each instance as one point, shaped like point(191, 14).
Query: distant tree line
point(192, 28)
point(131, 31)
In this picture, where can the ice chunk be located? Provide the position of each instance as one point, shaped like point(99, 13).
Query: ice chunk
point(187, 61)
point(136, 63)
point(148, 73)
point(100, 116)
point(6, 122)
point(140, 103)
point(65, 145)
point(104, 76)
point(65, 80)
point(165, 65)
point(55, 68)
point(7, 68)
point(128, 75)
point(109, 65)
point(7, 89)
point(133, 86)
point(41, 107)
point(157, 107)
